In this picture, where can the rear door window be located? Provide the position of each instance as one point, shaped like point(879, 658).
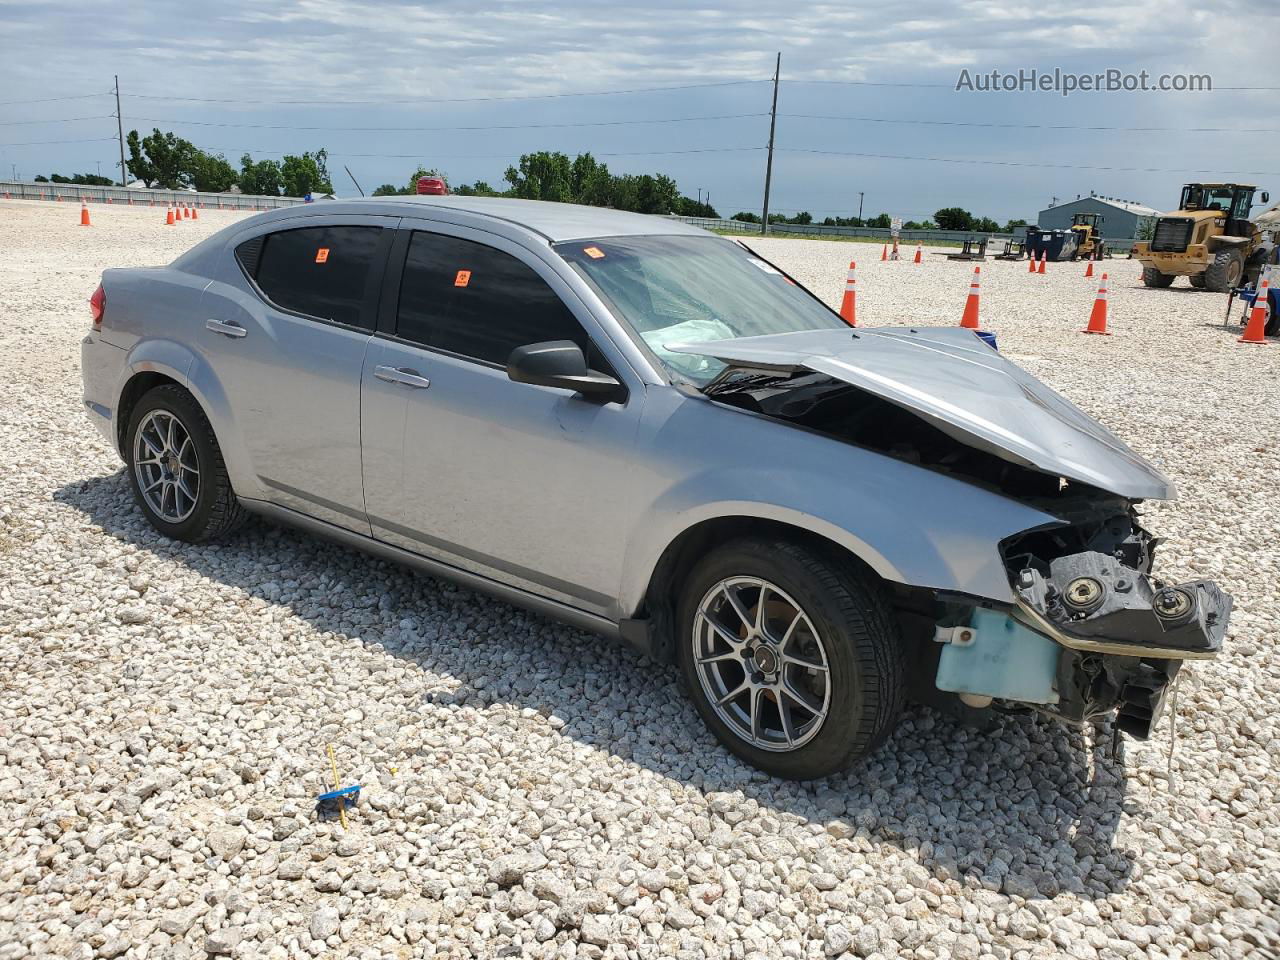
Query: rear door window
point(322, 272)
point(478, 302)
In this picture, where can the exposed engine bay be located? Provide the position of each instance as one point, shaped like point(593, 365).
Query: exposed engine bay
point(1093, 631)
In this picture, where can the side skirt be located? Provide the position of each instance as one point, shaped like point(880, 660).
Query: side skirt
point(552, 609)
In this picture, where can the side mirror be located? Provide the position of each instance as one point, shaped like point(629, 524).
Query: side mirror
point(560, 363)
point(1266, 197)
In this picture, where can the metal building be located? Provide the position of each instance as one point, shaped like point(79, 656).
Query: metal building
point(1121, 219)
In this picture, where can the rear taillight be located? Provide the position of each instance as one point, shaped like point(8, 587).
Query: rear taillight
point(97, 303)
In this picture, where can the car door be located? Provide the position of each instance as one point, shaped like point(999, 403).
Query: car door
point(527, 485)
point(288, 345)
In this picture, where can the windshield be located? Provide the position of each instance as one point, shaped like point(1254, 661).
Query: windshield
point(1197, 197)
point(679, 289)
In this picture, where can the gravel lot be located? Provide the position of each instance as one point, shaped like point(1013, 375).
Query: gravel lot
point(531, 791)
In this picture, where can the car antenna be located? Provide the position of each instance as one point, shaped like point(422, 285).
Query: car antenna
point(353, 179)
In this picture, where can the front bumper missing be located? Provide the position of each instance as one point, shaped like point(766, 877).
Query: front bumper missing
point(1090, 602)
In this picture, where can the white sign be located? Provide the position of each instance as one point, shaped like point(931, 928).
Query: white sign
point(895, 225)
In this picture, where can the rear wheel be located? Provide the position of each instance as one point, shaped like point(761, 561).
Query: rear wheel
point(1197, 281)
point(1223, 275)
point(791, 656)
point(175, 468)
point(1154, 278)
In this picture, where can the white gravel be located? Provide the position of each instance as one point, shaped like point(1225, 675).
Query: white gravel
point(531, 791)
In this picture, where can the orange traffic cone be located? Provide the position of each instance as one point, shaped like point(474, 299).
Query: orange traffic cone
point(186, 212)
point(1043, 260)
point(848, 306)
point(1088, 270)
point(884, 252)
point(1098, 316)
point(969, 318)
point(917, 258)
point(168, 218)
point(195, 214)
point(1254, 330)
point(1031, 262)
point(84, 215)
point(895, 255)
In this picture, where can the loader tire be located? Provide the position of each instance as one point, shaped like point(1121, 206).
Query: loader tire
point(1154, 278)
point(1197, 281)
point(1226, 271)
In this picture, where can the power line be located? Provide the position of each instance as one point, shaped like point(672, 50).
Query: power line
point(509, 155)
point(421, 101)
point(507, 126)
point(17, 123)
point(78, 96)
point(1037, 163)
point(40, 143)
point(1031, 126)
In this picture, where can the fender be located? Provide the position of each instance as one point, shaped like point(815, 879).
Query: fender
point(947, 540)
point(182, 364)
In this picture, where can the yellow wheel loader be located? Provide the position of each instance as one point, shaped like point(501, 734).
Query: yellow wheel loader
point(1210, 239)
point(1088, 230)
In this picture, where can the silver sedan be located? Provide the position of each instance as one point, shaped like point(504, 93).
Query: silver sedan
point(655, 434)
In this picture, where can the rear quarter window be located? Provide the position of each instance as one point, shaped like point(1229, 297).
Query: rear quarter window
point(322, 272)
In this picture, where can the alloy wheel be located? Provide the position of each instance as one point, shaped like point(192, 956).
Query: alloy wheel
point(761, 663)
point(166, 467)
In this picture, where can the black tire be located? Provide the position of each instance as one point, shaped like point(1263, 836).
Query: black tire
point(216, 511)
point(860, 638)
point(1226, 271)
point(1197, 281)
point(1154, 278)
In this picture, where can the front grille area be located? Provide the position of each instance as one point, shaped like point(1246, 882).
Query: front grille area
point(1172, 235)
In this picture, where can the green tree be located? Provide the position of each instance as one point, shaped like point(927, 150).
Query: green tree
point(881, 221)
point(954, 218)
point(261, 178)
point(305, 174)
point(477, 189)
point(210, 173)
point(160, 159)
point(541, 176)
point(83, 179)
point(387, 190)
point(1013, 225)
point(745, 217)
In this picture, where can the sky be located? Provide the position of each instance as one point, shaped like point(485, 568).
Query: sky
point(867, 102)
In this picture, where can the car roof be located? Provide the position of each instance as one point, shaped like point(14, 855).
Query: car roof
point(555, 221)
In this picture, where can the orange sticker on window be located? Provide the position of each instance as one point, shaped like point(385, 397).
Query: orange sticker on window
point(462, 279)
point(322, 255)
point(595, 253)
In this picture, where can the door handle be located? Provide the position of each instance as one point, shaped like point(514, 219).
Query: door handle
point(404, 375)
point(228, 328)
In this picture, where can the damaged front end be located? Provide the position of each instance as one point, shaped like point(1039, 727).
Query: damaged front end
point(1124, 633)
point(1091, 631)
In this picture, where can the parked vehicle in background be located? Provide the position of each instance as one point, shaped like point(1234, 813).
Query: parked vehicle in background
point(650, 432)
point(1210, 239)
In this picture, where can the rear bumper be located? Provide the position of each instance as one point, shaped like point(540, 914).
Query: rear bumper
point(101, 365)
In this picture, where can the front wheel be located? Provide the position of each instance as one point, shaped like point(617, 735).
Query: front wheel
point(791, 656)
point(1154, 278)
point(1224, 274)
point(175, 468)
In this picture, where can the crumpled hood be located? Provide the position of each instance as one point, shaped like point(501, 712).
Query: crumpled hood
point(960, 385)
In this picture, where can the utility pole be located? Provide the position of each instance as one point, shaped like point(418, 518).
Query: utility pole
point(699, 196)
point(859, 205)
point(124, 171)
point(773, 122)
